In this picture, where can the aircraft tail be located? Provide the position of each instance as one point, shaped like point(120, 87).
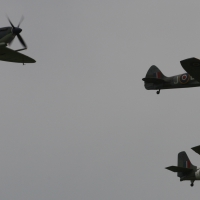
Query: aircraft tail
point(154, 72)
point(154, 78)
point(184, 162)
point(184, 167)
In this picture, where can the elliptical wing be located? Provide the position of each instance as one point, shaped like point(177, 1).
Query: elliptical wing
point(10, 55)
point(192, 67)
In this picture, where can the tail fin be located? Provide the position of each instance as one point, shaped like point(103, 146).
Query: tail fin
point(153, 76)
point(154, 72)
point(184, 162)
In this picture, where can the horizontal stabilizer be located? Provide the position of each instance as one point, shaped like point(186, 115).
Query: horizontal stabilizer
point(178, 169)
point(153, 80)
point(196, 149)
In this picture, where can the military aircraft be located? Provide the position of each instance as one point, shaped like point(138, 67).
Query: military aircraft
point(7, 35)
point(185, 169)
point(155, 80)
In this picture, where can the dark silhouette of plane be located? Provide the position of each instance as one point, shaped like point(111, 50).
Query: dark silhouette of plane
point(155, 80)
point(185, 169)
point(7, 35)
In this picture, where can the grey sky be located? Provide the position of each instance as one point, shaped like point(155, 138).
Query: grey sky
point(78, 124)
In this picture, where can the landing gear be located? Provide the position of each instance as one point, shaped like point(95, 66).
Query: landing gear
point(158, 92)
point(192, 183)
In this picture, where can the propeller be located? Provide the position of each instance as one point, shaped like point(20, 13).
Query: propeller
point(17, 31)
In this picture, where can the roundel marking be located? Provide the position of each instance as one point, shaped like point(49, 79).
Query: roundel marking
point(196, 64)
point(184, 78)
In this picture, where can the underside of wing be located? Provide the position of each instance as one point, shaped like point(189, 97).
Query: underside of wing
point(196, 149)
point(178, 169)
point(192, 67)
point(10, 55)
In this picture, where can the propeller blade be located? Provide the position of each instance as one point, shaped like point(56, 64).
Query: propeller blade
point(22, 18)
point(10, 22)
point(16, 31)
point(21, 40)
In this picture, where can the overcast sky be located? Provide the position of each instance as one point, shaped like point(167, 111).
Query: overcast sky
point(79, 124)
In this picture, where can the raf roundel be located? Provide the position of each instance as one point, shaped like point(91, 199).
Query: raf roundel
point(184, 78)
point(196, 64)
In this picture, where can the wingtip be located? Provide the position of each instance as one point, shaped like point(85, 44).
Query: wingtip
point(168, 167)
point(32, 60)
point(189, 59)
point(195, 147)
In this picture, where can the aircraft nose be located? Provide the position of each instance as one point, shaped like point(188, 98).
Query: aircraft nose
point(17, 30)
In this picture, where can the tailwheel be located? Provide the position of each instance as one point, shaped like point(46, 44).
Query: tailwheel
point(192, 183)
point(158, 92)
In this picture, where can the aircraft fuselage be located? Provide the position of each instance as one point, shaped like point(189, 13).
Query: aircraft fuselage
point(6, 35)
point(178, 81)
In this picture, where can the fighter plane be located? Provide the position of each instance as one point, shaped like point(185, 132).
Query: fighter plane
point(7, 35)
point(155, 80)
point(185, 169)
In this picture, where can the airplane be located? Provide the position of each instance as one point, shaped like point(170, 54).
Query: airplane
point(7, 35)
point(155, 80)
point(186, 171)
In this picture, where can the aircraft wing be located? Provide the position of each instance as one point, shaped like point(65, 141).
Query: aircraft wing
point(192, 67)
point(178, 169)
point(10, 55)
point(196, 149)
